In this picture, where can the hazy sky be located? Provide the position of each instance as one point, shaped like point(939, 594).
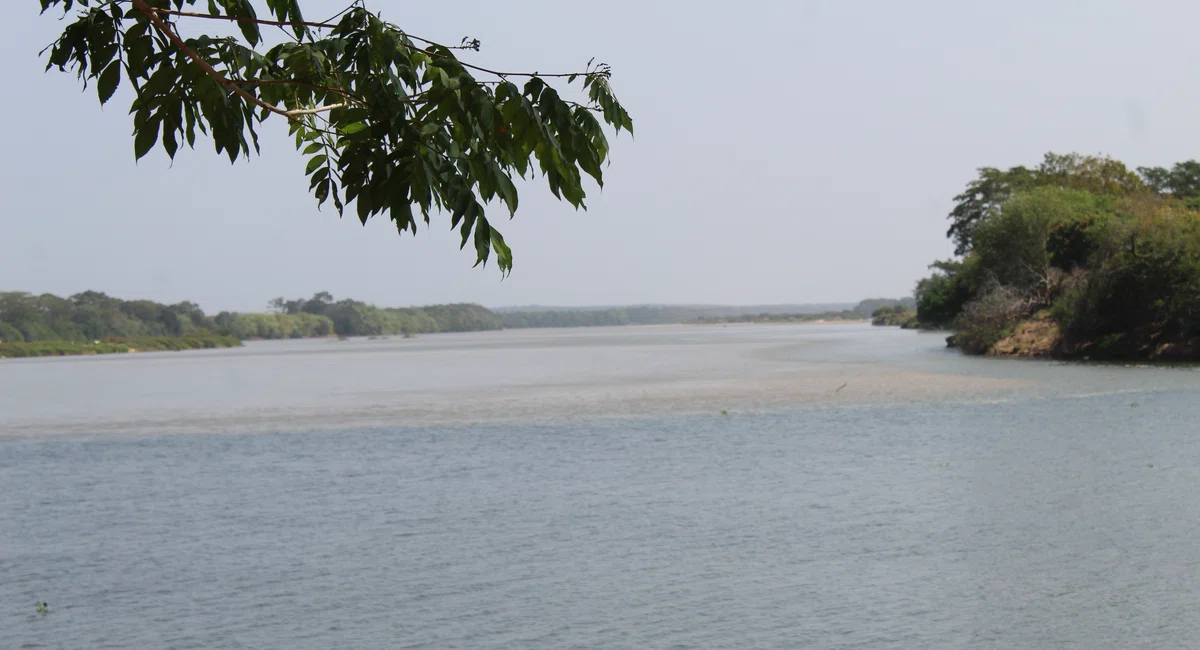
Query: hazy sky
point(801, 151)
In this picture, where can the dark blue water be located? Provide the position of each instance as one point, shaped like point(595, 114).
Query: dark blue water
point(1027, 523)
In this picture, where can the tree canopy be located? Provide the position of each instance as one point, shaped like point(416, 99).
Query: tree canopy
point(988, 193)
point(390, 122)
point(1180, 181)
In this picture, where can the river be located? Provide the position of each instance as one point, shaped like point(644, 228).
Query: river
point(817, 486)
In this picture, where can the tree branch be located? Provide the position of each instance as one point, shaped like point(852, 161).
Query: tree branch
point(166, 30)
point(313, 111)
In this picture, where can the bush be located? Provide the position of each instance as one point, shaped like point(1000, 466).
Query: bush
point(892, 315)
point(10, 334)
point(942, 296)
point(1143, 295)
point(1013, 245)
point(991, 317)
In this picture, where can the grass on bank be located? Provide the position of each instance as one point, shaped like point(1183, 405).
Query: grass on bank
point(116, 345)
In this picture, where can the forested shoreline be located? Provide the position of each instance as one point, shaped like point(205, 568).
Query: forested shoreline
point(95, 323)
point(1079, 257)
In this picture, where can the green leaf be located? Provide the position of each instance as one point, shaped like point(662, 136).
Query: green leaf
point(353, 127)
point(170, 145)
point(109, 80)
point(507, 190)
point(314, 148)
point(144, 141)
point(483, 241)
point(315, 162)
point(249, 27)
point(295, 16)
point(322, 192)
point(503, 253)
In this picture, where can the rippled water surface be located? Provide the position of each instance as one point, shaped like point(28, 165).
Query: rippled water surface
point(583, 489)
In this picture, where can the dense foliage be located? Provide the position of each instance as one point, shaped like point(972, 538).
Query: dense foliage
point(91, 316)
point(987, 194)
point(1110, 257)
point(901, 315)
point(389, 121)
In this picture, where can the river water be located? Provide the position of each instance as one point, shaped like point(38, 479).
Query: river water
point(822, 486)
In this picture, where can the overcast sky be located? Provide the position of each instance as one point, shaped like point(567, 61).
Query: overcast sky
point(801, 151)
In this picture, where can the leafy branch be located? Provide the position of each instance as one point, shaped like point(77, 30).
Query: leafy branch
point(389, 122)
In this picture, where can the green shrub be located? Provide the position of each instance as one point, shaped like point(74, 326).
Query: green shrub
point(10, 334)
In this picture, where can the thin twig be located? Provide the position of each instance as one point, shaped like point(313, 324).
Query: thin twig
point(243, 19)
point(339, 14)
point(281, 23)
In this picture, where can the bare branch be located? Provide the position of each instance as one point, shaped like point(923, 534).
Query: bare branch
point(313, 111)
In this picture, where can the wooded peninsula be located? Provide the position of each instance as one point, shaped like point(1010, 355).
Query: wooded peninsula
point(1079, 258)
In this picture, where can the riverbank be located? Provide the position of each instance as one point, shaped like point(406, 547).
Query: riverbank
point(1042, 337)
point(117, 346)
point(1078, 258)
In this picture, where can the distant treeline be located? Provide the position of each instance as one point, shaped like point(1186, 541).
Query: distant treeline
point(865, 309)
point(647, 315)
point(848, 314)
point(869, 306)
point(322, 316)
point(675, 315)
point(92, 316)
